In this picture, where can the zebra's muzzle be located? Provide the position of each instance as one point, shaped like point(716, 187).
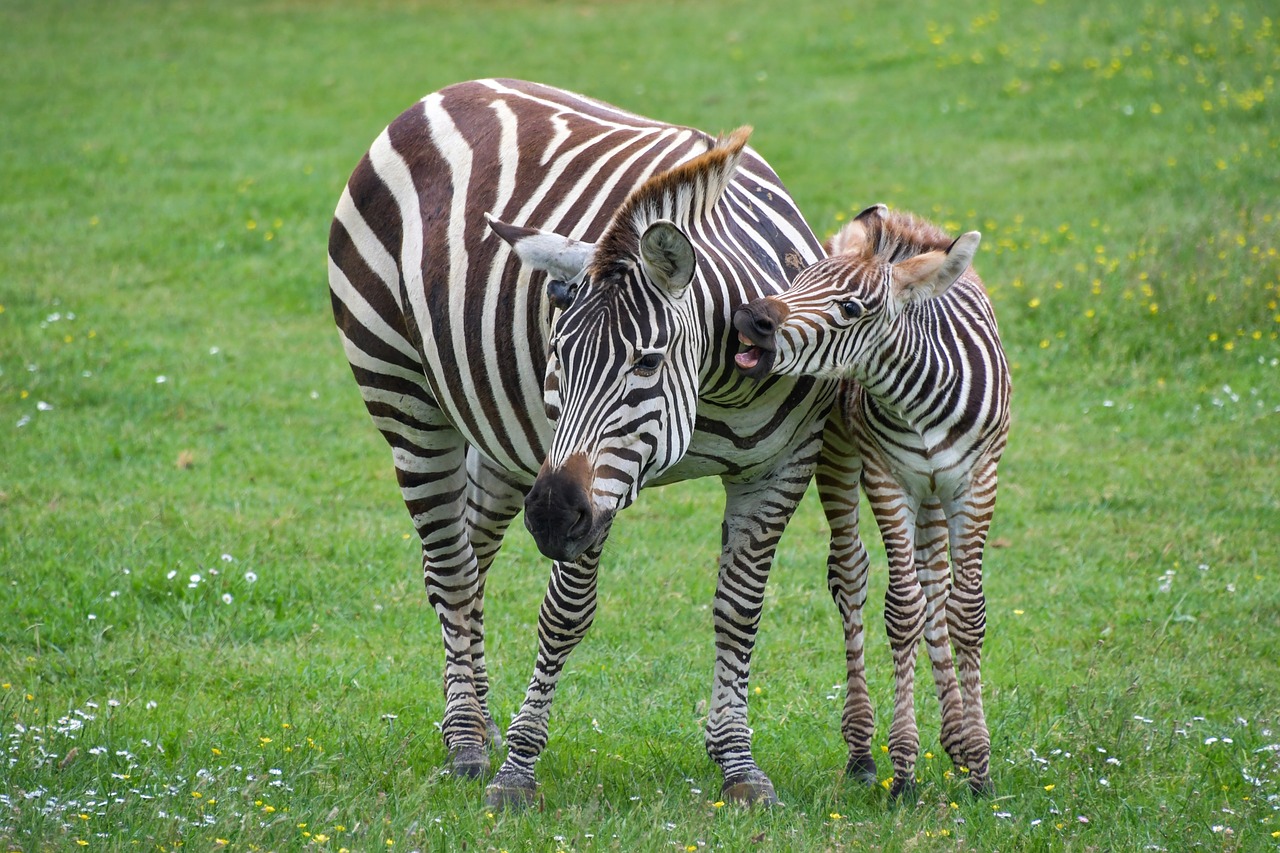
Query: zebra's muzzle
point(559, 514)
point(756, 322)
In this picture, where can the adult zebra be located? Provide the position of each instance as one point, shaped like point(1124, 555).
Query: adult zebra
point(648, 236)
point(898, 308)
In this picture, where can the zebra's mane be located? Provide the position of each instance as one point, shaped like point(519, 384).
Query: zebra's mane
point(684, 194)
point(888, 236)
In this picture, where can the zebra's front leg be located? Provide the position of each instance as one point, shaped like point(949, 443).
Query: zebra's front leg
point(904, 616)
point(755, 516)
point(933, 568)
point(568, 610)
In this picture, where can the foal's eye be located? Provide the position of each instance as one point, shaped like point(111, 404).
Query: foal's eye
point(851, 309)
point(648, 364)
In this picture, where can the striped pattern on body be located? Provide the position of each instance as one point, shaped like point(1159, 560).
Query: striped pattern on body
point(899, 310)
point(489, 385)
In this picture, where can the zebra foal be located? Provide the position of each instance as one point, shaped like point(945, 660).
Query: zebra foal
point(899, 311)
point(535, 293)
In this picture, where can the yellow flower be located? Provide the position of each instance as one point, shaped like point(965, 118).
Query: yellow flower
point(1048, 787)
point(835, 815)
point(217, 751)
point(1034, 303)
point(321, 838)
point(718, 804)
point(82, 842)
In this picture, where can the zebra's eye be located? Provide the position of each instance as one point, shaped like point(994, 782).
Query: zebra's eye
point(852, 310)
point(648, 364)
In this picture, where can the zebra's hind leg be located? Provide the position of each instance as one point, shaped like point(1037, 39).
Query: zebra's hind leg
point(970, 521)
point(934, 570)
point(755, 515)
point(494, 497)
point(433, 485)
point(567, 612)
point(847, 569)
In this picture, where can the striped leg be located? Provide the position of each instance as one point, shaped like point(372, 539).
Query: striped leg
point(430, 458)
point(967, 617)
point(847, 569)
point(904, 614)
point(934, 570)
point(755, 515)
point(568, 610)
point(494, 498)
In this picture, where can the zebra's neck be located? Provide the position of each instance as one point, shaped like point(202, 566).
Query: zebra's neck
point(918, 369)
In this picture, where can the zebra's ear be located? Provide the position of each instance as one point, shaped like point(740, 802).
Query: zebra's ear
point(855, 238)
point(929, 275)
point(562, 257)
point(667, 256)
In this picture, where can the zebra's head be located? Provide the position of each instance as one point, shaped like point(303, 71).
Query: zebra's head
point(840, 312)
point(627, 348)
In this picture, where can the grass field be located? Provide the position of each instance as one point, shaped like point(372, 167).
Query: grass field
point(212, 627)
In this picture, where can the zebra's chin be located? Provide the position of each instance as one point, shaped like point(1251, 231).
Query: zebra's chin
point(557, 545)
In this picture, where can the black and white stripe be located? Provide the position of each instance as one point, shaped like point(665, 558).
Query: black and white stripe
point(898, 309)
point(573, 348)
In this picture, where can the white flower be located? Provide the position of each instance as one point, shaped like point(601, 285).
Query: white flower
point(226, 598)
point(194, 579)
point(173, 574)
point(251, 577)
point(44, 407)
point(227, 558)
point(160, 380)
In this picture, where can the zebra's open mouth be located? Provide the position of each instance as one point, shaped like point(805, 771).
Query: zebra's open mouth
point(750, 357)
point(755, 358)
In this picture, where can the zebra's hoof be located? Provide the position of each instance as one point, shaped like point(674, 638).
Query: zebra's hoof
point(511, 794)
point(752, 789)
point(981, 787)
point(862, 768)
point(469, 762)
point(902, 790)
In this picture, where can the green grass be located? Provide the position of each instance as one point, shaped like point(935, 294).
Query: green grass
point(169, 175)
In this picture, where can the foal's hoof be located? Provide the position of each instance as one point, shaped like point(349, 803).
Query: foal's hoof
point(862, 768)
point(514, 793)
point(981, 787)
point(750, 789)
point(902, 790)
point(469, 762)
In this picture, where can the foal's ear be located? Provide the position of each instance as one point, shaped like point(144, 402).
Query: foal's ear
point(562, 257)
point(856, 237)
point(929, 275)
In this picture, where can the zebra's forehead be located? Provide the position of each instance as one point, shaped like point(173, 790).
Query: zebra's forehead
point(840, 274)
point(613, 310)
